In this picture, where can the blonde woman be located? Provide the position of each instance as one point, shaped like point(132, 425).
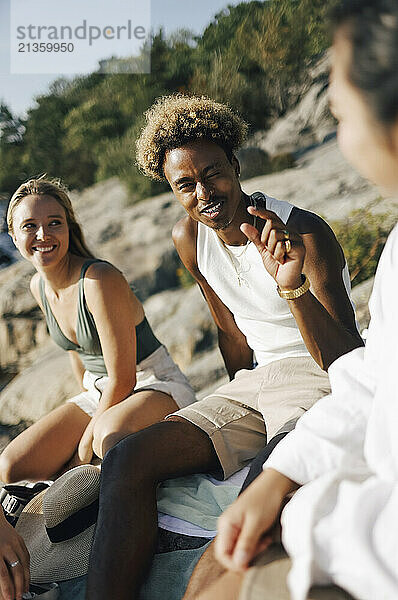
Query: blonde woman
point(127, 377)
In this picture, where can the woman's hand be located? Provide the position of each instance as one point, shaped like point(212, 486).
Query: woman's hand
point(14, 580)
point(284, 267)
point(85, 447)
point(244, 529)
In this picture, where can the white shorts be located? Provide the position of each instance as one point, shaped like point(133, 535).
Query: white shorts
point(156, 372)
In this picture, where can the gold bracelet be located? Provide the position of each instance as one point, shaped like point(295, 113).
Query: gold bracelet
point(293, 294)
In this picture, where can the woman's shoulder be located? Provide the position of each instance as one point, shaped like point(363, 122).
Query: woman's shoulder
point(103, 278)
point(102, 270)
point(106, 287)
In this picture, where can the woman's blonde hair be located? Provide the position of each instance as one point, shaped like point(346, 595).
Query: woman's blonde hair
point(55, 189)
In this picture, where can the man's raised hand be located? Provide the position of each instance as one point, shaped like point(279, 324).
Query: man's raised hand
point(285, 267)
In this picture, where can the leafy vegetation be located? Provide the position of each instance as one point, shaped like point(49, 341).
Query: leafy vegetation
point(252, 55)
point(185, 279)
point(362, 236)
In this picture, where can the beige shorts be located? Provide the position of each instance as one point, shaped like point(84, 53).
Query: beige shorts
point(266, 580)
point(243, 414)
point(156, 372)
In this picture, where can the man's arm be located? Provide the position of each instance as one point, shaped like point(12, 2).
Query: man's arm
point(324, 315)
point(231, 341)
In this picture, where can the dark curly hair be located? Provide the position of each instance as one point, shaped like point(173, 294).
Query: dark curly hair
point(371, 26)
point(176, 120)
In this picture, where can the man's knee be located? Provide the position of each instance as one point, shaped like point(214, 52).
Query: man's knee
point(163, 450)
point(126, 455)
point(140, 453)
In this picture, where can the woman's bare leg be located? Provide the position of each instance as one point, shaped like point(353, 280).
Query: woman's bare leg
point(42, 450)
point(207, 571)
point(227, 587)
point(133, 414)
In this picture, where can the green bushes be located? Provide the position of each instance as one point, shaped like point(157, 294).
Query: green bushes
point(362, 236)
point(184, 277)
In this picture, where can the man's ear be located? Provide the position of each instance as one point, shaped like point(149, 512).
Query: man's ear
point(236, 165)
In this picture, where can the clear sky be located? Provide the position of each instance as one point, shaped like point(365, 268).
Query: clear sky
point(18, 91)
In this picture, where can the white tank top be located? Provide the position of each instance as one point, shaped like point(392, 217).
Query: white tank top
point(238, 276)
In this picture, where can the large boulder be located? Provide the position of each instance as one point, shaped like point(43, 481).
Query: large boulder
point(182, 321)
point(253, 161)
point(38, 388)
point(22, 328)
point(323, 181)
point(309, 122)
point(207, 372)
point(136, 238)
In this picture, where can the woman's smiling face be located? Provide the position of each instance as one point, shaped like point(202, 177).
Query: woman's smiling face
point(40, 230)
point(365, 142)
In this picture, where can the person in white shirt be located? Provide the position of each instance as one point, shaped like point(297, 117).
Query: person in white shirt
point(340, 526)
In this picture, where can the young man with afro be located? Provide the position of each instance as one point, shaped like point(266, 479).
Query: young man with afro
point(277, 285)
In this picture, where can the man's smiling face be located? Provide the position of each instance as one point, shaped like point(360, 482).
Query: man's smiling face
point(205, 182)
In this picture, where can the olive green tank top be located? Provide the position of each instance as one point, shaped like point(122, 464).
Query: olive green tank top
point(89, 346)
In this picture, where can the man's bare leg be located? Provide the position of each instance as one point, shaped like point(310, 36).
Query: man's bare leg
point(126, 531)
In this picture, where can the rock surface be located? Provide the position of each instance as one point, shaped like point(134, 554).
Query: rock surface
point(39, 388)
point(22, 328)
point(308, 123)
point(361, 295)
point(325, 183)
point(182, 320)
point(135, 238)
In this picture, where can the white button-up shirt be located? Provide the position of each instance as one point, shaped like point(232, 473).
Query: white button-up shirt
point(342, 525)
